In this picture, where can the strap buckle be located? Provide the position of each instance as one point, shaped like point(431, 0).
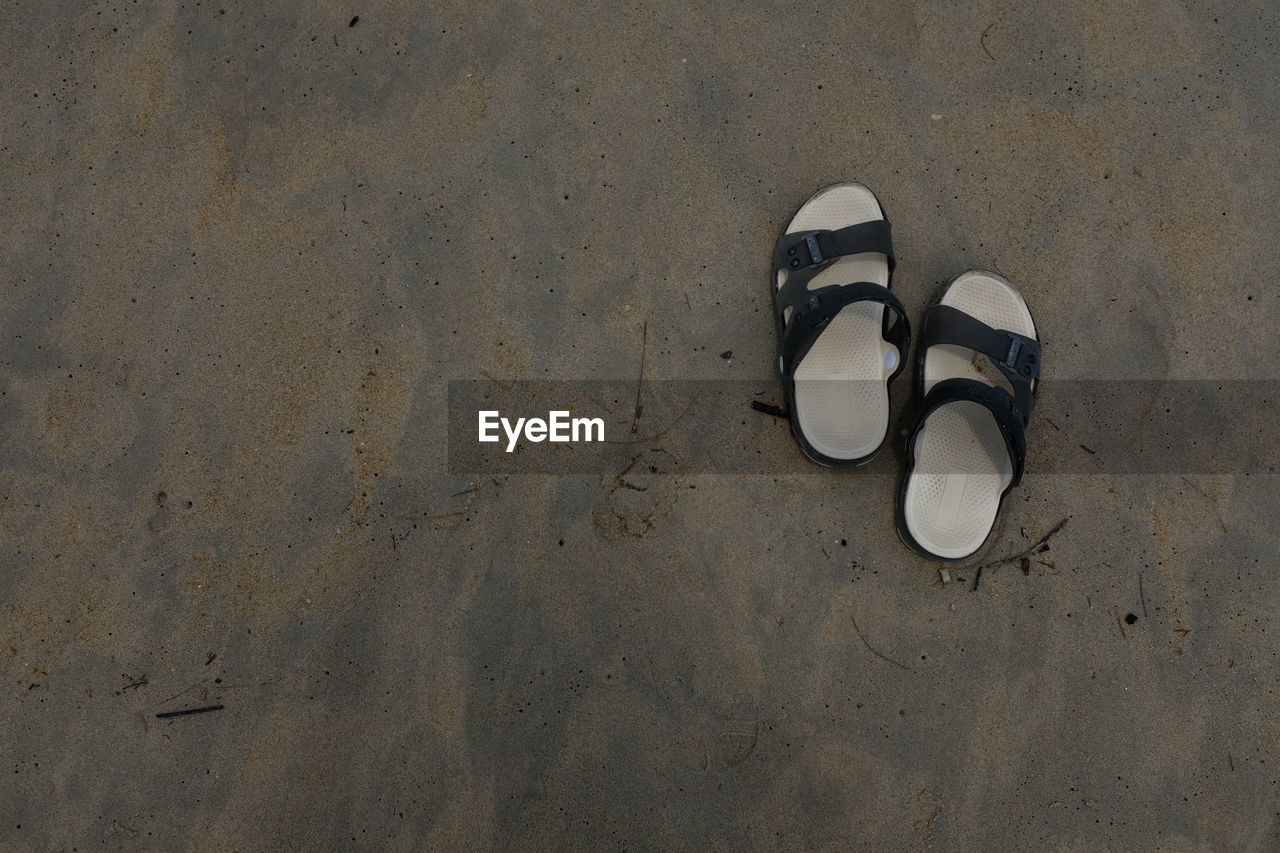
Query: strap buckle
point(815, 253)
point(809, 243)
point(1022, 358)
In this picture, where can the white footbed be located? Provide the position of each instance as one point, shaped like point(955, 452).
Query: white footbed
point(841, 394)
point(962, 465)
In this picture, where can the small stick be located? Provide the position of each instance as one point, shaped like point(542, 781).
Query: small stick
point(873, 649)
point(776, 411)
point(187, 711)
point(495, 380)
point(453, 514)
point(1142, 595)
point(1201, 493)
point(1017, 558)
point(644, 347)
point(982, 40)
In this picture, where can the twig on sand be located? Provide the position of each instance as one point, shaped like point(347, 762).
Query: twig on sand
point(495, 380)
point(873, 649)
point(1211, 502)
point(644, 346)
point(1040, 545)
point(186, 711)
point(982, 40)
point(768, 409)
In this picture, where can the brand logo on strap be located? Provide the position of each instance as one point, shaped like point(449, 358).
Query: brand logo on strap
point(815, 254)
point(1011, 360)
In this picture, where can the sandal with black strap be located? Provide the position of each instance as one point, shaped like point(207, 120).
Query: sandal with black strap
point(968, 447)
point(843, 335)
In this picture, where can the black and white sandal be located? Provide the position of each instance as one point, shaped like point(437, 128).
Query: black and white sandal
point(968, 447)
point(839, 346)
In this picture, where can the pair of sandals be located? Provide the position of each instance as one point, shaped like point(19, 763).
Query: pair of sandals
point(844, 337)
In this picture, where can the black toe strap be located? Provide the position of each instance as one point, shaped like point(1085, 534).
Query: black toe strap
point(805, 252)
point(1016, 356)
point(812, 310)
point(1008, 416)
